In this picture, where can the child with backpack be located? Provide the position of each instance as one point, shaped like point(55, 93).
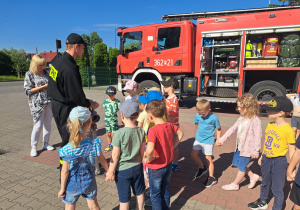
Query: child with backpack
point(79, 160)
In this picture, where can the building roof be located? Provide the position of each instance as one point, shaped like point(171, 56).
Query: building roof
point(49, 56)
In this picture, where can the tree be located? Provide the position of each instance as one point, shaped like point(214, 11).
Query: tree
point(112, 56)
point(100, 55)
point(20, 63)
point(290, 2)
point(84, 63)
point(6, 64)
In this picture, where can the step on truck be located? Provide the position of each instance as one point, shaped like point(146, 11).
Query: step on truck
point(216, 55)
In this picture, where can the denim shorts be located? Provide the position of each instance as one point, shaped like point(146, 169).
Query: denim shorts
point(240, 161)
point(131, 177)
point(74, 190)
point(207, 149)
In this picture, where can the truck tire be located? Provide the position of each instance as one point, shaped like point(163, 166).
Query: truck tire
point(224, 92)
point(266, 90)
point(147, 84)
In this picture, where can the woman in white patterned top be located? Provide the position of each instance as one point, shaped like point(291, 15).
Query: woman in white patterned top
point(35, 85)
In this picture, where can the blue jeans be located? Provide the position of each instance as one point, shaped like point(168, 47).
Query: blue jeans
point(240, 161)
point(159, 187)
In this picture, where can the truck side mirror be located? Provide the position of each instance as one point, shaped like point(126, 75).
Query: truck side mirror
point(154, 49)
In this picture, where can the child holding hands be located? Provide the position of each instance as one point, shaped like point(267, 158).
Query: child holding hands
point(279, 139)
point(207, 125)
point(79, 160)
point(159, 154)
point(126, 162)
point(248, 142)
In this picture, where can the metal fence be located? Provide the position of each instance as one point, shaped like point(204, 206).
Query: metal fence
point(98, 76)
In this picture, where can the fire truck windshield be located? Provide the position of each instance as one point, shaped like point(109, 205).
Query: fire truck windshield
point(132, 41)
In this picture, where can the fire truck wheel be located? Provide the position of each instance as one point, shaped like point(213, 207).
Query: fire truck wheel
point(147, 84)
point(223, 92)
point(266, 90)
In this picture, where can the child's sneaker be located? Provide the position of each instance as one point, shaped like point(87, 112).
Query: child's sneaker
point(201, 172)
point(33, 152)
point(258, 205)
point(108, 148)
point(210, 182)
point(175, 168)
point(48, 147)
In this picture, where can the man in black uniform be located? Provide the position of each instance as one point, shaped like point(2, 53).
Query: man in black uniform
point(65, 85)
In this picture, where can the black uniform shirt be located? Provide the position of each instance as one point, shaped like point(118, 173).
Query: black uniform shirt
point(65, 85)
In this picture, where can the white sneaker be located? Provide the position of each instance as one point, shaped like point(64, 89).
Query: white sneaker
point(33, 152)
point(48, 147)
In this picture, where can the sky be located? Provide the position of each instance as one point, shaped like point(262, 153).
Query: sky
point(32, 24)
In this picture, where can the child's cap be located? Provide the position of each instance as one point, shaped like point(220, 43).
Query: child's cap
point(80, 113)
point(129, 108)
point(130, 85)
point(279, 103)
point(150, 96)
point(169, 81)
point(111, 90)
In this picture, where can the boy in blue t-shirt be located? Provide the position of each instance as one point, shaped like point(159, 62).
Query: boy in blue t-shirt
point(207, 123)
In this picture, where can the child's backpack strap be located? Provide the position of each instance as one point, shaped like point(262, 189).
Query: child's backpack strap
point(85, 154)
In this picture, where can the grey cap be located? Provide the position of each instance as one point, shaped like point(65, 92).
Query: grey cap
point(129, 108)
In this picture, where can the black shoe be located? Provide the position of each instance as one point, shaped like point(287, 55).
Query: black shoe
point(201, 172)
point(210, 182)
point(258, 205)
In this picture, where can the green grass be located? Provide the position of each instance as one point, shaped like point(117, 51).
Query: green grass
point(10, 78)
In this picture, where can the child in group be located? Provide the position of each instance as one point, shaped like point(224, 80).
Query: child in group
point(126, 162)
point(159, 154)
point(170, 85)
point(79, 160)
point(248, 142)
point(207, 125)
point(292, 176)
point(295, 121)
point(131, 87)
point(279, 139)
point(111, 118)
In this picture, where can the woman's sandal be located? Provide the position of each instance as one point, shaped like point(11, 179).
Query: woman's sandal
point(253, 181)
point(231, 186)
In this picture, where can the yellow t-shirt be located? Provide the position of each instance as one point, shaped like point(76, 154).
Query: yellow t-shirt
point(277, 140)
point(143, 119)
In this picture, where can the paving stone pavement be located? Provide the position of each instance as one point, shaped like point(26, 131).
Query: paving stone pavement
point(33, 182)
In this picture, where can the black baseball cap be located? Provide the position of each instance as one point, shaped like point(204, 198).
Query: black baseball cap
point(169, 81)
point(75, 39)
point(279, 103)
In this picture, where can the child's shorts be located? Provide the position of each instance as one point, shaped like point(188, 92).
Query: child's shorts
point(111, 125)
point(74, 191)
point(295, 121)
point(207, 149)
point(240, 161)
point(294, 195)
point(133, 177)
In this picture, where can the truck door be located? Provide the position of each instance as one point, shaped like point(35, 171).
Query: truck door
point(132, 53)
point(167, 54)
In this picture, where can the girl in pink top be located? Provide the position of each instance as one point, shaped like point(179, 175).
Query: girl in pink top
point(249, 133)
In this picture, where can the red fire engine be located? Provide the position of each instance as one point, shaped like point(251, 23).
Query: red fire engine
point(222, 56)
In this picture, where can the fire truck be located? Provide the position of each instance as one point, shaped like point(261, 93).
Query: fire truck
point(220, 57)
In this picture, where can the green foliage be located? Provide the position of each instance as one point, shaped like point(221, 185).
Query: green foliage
point(84, 61)
point(6, 64)
point(10, 78)
point(20, 62)
point(92, 40)
point(136, 45)
point(112, 56)
point(100, 55)
point(85, 76)
point(290, 2)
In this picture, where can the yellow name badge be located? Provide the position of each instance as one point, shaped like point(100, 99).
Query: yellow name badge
point(53, 73)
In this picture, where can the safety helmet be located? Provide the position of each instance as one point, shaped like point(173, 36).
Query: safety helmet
point(111, 90)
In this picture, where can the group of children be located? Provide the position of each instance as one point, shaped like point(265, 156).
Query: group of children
point(150, 149)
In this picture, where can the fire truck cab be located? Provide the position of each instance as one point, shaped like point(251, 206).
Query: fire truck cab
point(220, 57)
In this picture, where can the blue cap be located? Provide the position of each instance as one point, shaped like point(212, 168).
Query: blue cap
point(150, 96)
point(80, 113)
point(129, 108)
